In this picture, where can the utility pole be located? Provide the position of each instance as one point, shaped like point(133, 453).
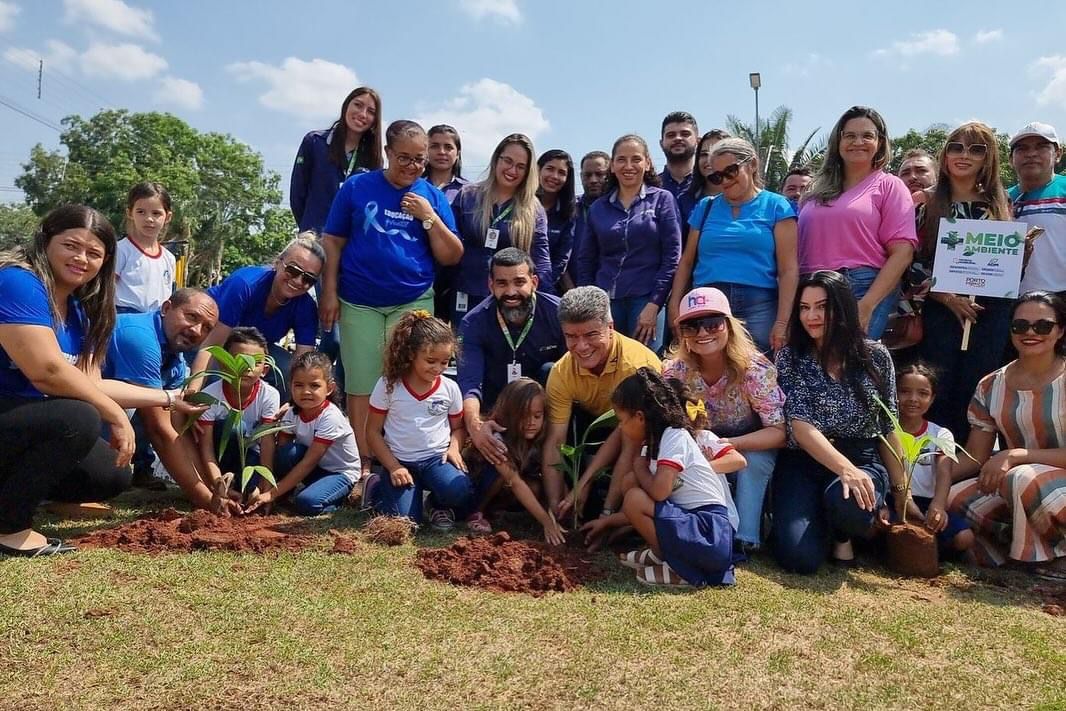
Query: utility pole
point(40, 73)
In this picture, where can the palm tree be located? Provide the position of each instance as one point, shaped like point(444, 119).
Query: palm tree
point(773, 145)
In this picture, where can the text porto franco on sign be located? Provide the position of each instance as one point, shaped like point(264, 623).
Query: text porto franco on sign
point(979, 257)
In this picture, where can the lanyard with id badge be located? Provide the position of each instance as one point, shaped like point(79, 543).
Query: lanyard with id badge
point(514, 368)
point(492, 239)
point(351, 165)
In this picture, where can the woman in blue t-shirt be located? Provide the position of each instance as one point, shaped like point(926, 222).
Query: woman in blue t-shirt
point(57, 310)
point(387, 231)
point(744, 244)
point(275, 300)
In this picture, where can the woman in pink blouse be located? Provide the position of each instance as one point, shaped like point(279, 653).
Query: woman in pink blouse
point(1019, 494)
point(718, 361)
point(857, 219)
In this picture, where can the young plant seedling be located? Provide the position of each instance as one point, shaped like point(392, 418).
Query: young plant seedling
point(231, 368)
point(571, 456)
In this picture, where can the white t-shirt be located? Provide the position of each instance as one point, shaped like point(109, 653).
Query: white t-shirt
point(260, 405)
point(923, 481)
point(142, 281)
point(418, 425)
point(697, 483)
point(327, 426)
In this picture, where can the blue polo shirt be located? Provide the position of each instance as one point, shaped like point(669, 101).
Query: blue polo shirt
point(242, 298)
point(560, 244)
point(473, 276)
point(485, 355)
point(139, 353)
point(675, 188)
point(386, 260)
point(24, 301)
point(634, 252)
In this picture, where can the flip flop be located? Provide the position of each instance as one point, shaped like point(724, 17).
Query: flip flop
point(662, 576)
point(637, 559)
point(54, 546)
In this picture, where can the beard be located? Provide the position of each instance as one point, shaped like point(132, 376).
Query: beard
point(684, 156)
point(517, 315)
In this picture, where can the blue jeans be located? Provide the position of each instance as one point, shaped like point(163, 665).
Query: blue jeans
point(625, 311)
point(323, 491)
point(448, 487)
point(751, 483)
point(860, 279)
point(755, 306)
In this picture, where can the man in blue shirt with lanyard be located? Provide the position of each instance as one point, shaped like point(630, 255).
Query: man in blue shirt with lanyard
point(146, 350)
point(511, 334)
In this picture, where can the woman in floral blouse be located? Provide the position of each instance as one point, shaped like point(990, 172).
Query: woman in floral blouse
point(721, 365)
point(832, 479)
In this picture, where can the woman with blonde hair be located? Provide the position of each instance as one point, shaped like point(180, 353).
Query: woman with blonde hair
point(968, 187)
point(499, 212)
point(716, 358)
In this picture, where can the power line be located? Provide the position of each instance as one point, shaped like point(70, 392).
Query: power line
point(28, 114)
point(89, 96)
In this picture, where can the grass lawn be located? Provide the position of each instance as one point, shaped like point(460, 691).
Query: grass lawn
point(103, 629)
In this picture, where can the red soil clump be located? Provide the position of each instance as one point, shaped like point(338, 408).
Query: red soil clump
point(171, 531)
point(498, 563)
point(912, 551)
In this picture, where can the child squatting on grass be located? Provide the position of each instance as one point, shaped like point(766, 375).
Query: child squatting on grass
point(519, 411)
point(676, 500)
point(931, 480)
point(415, 427)
point(317, 449)
point(260, 402)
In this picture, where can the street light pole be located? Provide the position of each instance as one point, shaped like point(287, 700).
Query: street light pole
point(755, 79)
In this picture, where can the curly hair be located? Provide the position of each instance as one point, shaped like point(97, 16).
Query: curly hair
point(416, 330)
point(645, 391)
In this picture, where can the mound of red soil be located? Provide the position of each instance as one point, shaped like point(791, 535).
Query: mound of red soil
point(498, 563)
point(912, 551)
point(171, 531)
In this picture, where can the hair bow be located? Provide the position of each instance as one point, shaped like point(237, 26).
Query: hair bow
point(696, 409)
point(421, 313)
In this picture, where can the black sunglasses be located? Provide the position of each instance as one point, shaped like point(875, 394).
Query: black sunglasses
point(958, 148)
point(1041, 327)
point(294, 272)
point(708, 323)
point(729, 172)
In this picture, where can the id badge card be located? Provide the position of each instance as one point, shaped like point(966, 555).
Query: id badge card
point(492, 238)
point(514, 372)
point(462, 302)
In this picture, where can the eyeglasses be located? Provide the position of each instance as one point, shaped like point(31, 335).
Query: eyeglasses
point(729, 172)
point(306, 278)
point(405, 161)
point(1041, 327)
point(956, 148)
point(710, 324)
point(865, 137)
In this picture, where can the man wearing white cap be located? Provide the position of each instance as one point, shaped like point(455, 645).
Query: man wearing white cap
point(1040, 201)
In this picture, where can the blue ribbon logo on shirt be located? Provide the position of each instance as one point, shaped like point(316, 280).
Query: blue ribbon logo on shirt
point(371, 215)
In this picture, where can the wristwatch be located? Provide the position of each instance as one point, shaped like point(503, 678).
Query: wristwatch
point(428, 222)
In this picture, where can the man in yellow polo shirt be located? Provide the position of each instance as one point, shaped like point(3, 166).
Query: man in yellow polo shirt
point(598, 358)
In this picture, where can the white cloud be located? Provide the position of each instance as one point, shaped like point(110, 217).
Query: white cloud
point(484, 112)
point(812, 63)
point(113, 15)
point(985, 36)
point(1055, 91)
point(8, 10)
point(182, 93)
point(127, 62)
point(505, 11)
point(939, 42)
point(57, 55)
point(309, 90)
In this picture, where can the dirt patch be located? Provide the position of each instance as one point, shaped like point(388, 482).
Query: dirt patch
point(912, 551)
point(498, 563)
point(343, 544)
point(389, 530)
point(171, 531)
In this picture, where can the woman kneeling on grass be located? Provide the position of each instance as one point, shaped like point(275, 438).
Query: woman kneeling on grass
point(679, 504)
point(519, 411)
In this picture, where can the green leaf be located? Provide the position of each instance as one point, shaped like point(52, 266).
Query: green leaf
point(246, 476)
point(267, 429)
point(946, 447)
point(246, 362)
point(233, 419)
point(567, 450)
point(201, 398)
point(228, 362)
point(265, 473)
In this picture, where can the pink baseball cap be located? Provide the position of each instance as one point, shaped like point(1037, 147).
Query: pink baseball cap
point(702, 301)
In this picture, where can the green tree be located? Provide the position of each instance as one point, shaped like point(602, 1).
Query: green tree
point(17, 225)
point(932, 140)
point(221, 192)
point(773, 145)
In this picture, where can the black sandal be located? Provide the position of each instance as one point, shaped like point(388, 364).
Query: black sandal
point(54, 546)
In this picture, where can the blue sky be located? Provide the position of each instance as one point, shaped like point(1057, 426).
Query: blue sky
point(573, 75)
